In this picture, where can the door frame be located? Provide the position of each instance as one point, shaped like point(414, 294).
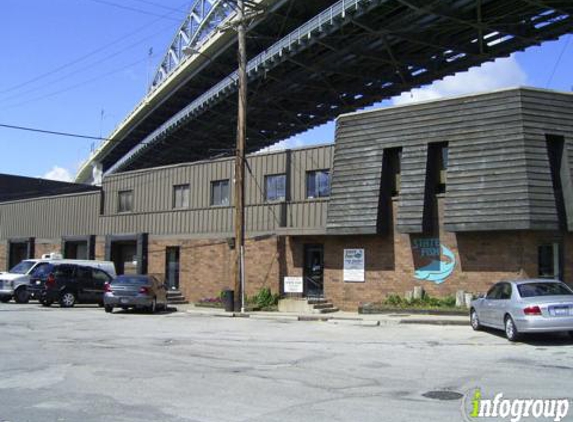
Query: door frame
point(306, 248)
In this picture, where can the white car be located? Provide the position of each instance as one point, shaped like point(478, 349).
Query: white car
point(525, 306)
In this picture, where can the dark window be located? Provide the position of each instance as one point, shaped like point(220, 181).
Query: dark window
point(220, 193)
point(275, 187)
point(393, 170)
point(42, 271)
point(181, 196)
point(548, 261)
point(505, 291)
point(100, 276)
point(125, 201)
point(66, 271)
point(543, 289)
point(557, 167)
point(442, 167)
point(494, 292)
point(318, 184)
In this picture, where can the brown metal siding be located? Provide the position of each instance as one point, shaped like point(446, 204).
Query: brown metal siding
point(51, 217)
point(153, 190)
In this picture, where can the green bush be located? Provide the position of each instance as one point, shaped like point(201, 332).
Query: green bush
point(265, 299)
point(425, 302)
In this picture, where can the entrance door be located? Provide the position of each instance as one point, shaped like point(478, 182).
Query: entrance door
point(18, 252)
point(172, 268)
point(314, 270)
point(76, 250)
point(124, 256)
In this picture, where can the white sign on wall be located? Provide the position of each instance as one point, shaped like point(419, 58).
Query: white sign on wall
point(293, 284)
point(354, 265)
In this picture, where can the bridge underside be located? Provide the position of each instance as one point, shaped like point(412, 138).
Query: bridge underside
point(383, 50)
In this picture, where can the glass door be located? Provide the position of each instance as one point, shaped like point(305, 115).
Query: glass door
point(314, 270)
point(172, 268)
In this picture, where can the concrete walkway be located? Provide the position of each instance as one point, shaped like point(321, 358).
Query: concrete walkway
point(348, 318)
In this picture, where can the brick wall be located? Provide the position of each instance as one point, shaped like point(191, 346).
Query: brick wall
point(206, 266)
point(42, 247)
point(482, 258)
point(3, 255)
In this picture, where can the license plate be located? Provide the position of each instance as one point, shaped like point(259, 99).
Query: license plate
point(123, 300)
point(38, 282)
point(561, 311)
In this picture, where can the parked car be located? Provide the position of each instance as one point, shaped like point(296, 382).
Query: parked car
point(135, 291)
point(26, 280)
point(69, 284)
point(525, 306)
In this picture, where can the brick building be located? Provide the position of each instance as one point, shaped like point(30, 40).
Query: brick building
point(451, 194)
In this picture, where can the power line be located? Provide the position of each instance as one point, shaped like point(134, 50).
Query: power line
point(565, 45)
point(78, 85)
point(52, 132)
point(83, 57)
point(133, 9)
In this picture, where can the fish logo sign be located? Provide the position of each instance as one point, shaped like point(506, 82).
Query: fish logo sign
point(438, 271)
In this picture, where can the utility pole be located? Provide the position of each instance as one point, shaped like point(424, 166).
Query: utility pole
point(239, 255)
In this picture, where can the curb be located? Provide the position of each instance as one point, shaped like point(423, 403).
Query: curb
point(353, 321)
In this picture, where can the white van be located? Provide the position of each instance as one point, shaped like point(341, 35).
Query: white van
point(15, 283)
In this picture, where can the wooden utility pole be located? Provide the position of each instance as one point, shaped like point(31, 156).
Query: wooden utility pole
point(239, 261)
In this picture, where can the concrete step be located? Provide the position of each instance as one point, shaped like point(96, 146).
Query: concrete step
point(316, 301)
point(179, 301)
point(327, 310)
point(323, 305)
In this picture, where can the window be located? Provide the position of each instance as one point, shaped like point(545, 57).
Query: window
point(181, 196)
point(220, 193)
point(393, 164)
point(494, 292)
point(505, 293)
point(42, 271)
point(125, 201)
point(275, 187)
point(100, 277)
point(443, 158)
point(544, 289)
point(549, 261)
point(318, 184)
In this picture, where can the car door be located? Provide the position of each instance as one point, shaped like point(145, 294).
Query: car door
point(85, 285)
point(489, 302)
point(99, 278)
point(501, 304)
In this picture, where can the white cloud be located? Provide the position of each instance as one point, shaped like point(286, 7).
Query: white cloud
point(502, 73)
point(58, 173)
point(294, 142)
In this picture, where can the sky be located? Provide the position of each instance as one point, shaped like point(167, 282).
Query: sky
point(81, 66)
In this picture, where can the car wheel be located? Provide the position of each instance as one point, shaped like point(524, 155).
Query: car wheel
point(153, 307)
point(108, 309)
point(46, 303)
point(474, 320)
point(5, 299)
point(67, 300)
point(21, 295)
point(510, 329)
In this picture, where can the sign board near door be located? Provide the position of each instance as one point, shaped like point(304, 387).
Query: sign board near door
point(293, 284)
point(354, 265)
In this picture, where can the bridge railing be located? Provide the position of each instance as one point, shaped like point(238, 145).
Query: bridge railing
point(335, 13)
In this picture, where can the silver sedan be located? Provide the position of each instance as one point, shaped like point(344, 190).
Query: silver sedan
point(525, 306)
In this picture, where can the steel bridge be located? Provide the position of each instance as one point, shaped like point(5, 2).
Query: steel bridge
point(310, 61)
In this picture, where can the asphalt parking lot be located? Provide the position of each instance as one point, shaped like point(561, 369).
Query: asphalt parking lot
point(82, 364)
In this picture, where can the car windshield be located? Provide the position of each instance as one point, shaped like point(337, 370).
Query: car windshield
point(543, 289)
point(22, 268)
point(123, 279)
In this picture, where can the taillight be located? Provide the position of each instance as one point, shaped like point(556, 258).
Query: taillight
point(144, 290)
point(107, 287)
point(532, 310)
point(51, 280)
